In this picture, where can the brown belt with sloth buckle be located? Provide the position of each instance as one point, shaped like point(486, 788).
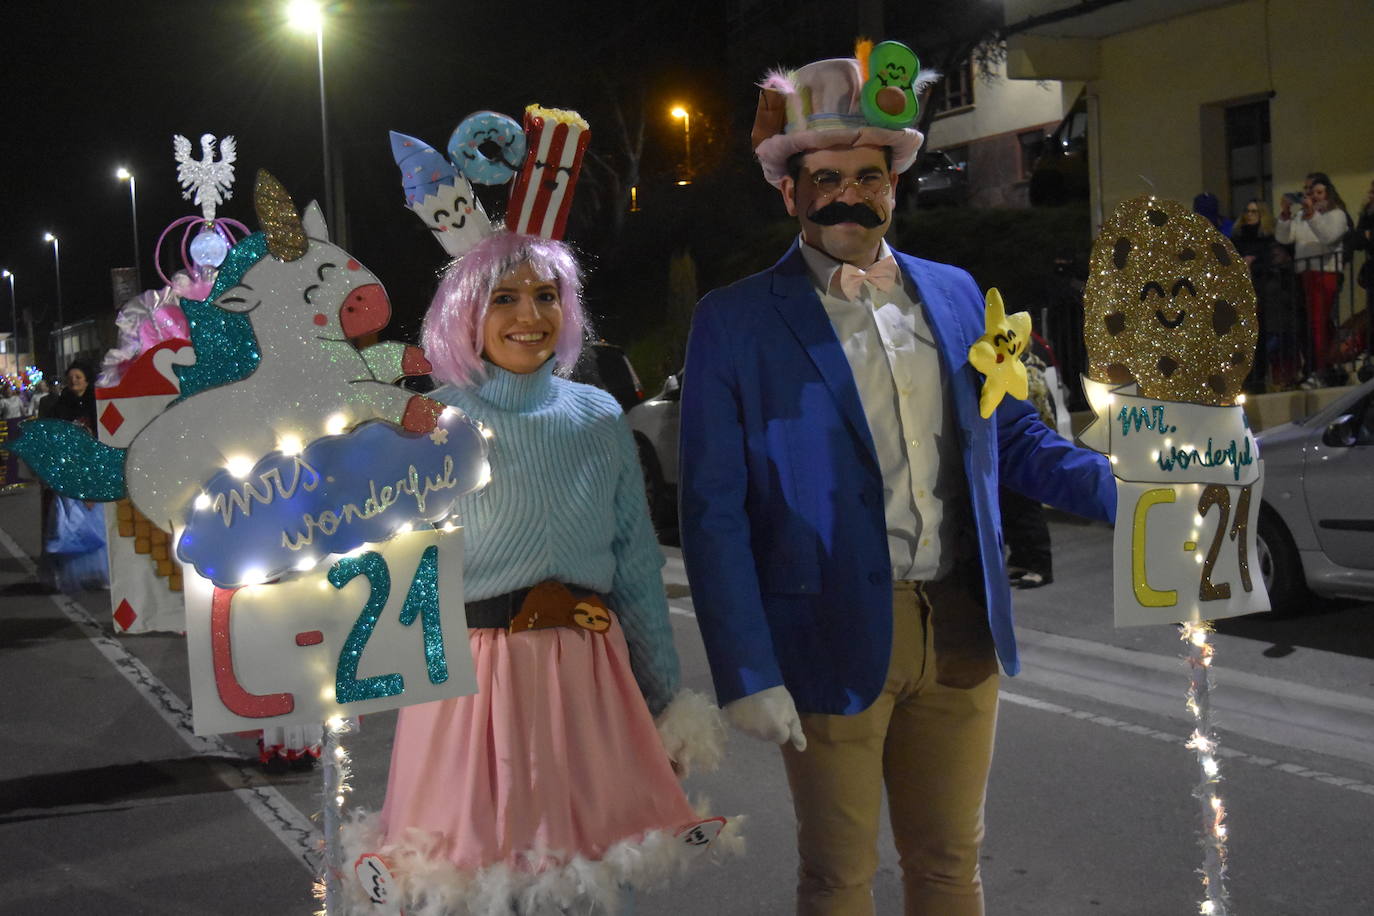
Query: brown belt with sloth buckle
point(548, 604)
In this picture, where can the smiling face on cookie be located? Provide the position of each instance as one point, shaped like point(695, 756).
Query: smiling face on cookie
point(1169, 304)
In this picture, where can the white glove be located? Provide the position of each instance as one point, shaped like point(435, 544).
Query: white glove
point(770, 715)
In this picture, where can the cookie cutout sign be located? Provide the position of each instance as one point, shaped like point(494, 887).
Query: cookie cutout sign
point(1168, 305)
point(1170, 326)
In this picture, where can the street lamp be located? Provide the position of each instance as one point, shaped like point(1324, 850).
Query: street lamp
point(308, 16)
point(14, 320)
point(683, 115)
point(124, 174)
point(57, 272)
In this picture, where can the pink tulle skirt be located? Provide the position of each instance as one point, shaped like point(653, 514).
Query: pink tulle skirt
point(556, 757)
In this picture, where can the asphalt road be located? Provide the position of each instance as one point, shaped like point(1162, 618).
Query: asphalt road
point(108, 805)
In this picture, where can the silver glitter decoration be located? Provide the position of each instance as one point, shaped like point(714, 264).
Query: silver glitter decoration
point(207, 180)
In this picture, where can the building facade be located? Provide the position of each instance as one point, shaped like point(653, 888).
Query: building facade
point(1241, 98)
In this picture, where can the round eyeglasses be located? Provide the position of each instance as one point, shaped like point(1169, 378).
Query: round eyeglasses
point(830, 183)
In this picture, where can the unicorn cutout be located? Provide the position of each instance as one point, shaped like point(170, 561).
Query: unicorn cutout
point(304, 298)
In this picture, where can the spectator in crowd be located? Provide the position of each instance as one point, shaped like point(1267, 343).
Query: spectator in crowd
point(1030, 557)
point(11, 407)
point(74, 549)
point(76, 403)
point(41, 399)
point(1364, 241)
point(1316, 230)
point(1208, 206)
point(1253, 234)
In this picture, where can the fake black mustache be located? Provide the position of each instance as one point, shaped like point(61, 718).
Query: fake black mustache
point(840, 212)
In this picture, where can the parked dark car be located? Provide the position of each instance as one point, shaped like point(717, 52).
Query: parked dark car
point(606, 366)
point(1316, 522)
point(1060, 172)
point(940, 180)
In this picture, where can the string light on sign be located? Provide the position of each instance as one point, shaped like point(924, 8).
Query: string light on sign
point(1204, 743)
point(337, 771)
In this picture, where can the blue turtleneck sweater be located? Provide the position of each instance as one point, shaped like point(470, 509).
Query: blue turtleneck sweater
point(566, 502)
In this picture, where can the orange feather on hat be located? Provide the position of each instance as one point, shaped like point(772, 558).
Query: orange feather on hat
point(862, 48)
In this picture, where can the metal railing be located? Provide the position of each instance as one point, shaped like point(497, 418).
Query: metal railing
point(1288, 352)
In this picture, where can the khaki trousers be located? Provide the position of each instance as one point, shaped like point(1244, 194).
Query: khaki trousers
point(929, 742)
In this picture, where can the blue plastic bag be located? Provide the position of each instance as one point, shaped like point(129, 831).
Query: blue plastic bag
point(75, 528)
point(77, 557)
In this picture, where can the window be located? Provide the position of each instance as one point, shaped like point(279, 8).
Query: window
point(1250, 174)
point(955, 90)
point(1032, 143)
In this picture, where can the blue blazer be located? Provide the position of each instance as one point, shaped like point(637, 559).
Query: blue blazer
point(783, 531)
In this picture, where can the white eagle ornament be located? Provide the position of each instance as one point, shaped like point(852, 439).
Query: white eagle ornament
point(207, 180)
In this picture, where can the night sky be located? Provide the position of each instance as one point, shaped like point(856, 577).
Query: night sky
point(87, 90)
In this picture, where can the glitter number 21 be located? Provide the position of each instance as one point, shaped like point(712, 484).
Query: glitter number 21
point(422, 600)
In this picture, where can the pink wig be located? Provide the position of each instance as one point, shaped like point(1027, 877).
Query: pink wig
point(452, 332)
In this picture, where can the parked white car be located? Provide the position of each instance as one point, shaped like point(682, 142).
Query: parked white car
point(655, 426)
point(1316, 521)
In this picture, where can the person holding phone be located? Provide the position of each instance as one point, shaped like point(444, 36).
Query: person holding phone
point(1315, 227)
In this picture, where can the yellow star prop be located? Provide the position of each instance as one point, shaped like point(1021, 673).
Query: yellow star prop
point(997, 354)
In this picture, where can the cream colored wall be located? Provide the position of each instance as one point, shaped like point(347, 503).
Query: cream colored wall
point(1000, 106)
point(1156, 81)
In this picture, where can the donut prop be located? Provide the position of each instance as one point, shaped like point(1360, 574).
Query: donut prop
point(888, 97)
point(542, 195)
point(490, 149)
point(487, 147)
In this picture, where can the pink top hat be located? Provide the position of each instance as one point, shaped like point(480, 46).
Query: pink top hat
point(834, 104)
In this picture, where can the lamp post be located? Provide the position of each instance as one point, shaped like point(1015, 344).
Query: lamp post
point(308, 16)
point(55, 341)
point(14, 320)
point(57, 271)
point(124, 174)
point(685, 116)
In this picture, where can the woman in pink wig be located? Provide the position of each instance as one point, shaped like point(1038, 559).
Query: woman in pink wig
point(551, 788)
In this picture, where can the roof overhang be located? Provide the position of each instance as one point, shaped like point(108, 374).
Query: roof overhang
point(1059, 39)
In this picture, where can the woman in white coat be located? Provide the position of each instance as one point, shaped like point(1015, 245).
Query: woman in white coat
point(1316, 231)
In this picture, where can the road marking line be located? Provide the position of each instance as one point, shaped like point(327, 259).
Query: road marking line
point(293, 829)
point(1354, 785)
point(1341, 782)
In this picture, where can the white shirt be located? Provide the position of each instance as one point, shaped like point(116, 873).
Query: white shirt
point(1316, 241)
point(896, 366)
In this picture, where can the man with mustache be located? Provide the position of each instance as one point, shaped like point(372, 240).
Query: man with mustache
point(839, 509)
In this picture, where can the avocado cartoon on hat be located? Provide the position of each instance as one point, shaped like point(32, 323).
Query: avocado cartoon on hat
point(871, 99)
